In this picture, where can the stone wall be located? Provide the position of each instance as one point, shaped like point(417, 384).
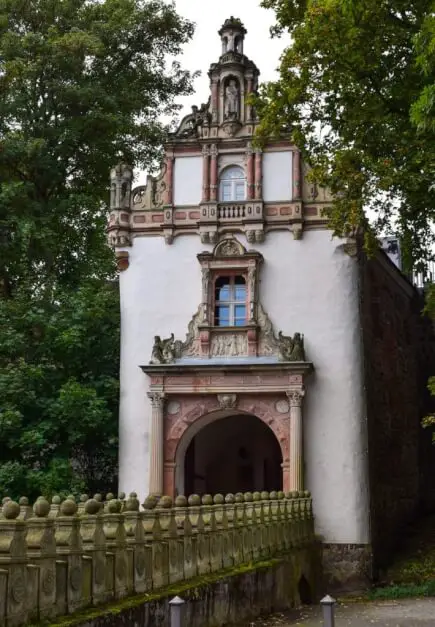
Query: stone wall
point(396, 371)
point(232, 598)
point(65, 557)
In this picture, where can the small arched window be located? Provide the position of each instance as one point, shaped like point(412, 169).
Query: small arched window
point(232, 185)
point(230, 301)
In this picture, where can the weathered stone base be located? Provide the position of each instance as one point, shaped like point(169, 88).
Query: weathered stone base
point(229, 597)
point(347, 567)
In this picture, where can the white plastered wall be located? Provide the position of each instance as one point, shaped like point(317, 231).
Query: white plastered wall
point(308, 286)
point(187, 181)
point(277, 176)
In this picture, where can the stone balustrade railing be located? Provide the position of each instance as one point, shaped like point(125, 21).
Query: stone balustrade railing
point(65, 556)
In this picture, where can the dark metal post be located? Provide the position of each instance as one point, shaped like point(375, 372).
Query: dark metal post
point(176, 605)
point(328, 609)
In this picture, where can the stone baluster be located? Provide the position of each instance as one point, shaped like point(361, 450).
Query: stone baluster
point(41, 552)
point(197, 524)
point(55, 506)
point(228, 531)
point(114, 532)
point(99, 499)
point(172, 550)
point(156, 448)
point(159, 552)
point(239, 525)
point(265, 517)
point(184, 532)
point(13, 558)
point(81, 505)
point(259, 524)
point(216, 532)
point(25, 509)
point(296, 519)
point(94, 547)
point(69, 554)
point(109, 497)
point(296, 440)
point(248, 544)
point(121, 498)
point(135, 538)
point(290, 520)
point(204, 536)
point(150, 523)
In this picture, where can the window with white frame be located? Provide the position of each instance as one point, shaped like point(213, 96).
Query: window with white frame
point(230, 301)
point(232, 184)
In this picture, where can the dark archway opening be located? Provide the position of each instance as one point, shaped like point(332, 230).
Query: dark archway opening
point(304, 590)
point(235, 454)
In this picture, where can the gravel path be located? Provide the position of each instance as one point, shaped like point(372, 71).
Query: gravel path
point(403, 613)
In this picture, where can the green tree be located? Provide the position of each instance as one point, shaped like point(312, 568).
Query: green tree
point(83, 84)
point(356, 89)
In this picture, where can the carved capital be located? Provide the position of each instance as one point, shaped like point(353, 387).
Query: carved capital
point(157, 399)
point(206, 150)
point(295, 397)
point(227, 401)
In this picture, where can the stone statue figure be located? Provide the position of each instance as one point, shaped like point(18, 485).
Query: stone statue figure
point(157, 355)
point(291, 348)
point(164, 351)
point(232, 100)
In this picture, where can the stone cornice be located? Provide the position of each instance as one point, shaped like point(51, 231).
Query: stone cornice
point(303, 368)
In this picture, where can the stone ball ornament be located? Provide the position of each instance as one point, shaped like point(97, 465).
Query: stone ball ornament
point(11, 510)
point(181, 501)
point(68, 508)
point(194, 500)
point(114, 506)
point(41, 508)
point(92, 507)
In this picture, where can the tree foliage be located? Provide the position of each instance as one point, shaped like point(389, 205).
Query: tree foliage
point(357, 90)
point(83, 84)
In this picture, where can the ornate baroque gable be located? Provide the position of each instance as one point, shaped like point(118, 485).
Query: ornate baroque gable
point(206, 339)
point(217, 135)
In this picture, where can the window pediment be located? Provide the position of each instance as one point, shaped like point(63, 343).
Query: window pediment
point(230, 321)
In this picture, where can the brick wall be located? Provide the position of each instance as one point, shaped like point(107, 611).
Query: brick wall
point(399, 353)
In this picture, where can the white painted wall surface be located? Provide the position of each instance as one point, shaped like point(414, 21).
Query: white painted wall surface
point(277, 176)
point(308, 286)
point(187, 180)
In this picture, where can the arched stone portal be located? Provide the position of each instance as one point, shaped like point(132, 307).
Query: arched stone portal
point(237, 453)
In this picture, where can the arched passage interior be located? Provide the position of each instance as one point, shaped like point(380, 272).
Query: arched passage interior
point(236, 453)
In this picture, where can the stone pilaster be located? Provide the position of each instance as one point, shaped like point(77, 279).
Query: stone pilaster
point(156, 450)
point(258, 174)
point(296, 175)
point(213, 173)
point(169, 179)
point(205, 173)
point(250, 173)
point(296, 466)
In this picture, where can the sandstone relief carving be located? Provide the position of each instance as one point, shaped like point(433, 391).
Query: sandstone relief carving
point(229, 345)
point(227, 401)
point(225, 344)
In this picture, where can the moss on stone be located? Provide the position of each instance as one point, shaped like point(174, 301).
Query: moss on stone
point(192, 586)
